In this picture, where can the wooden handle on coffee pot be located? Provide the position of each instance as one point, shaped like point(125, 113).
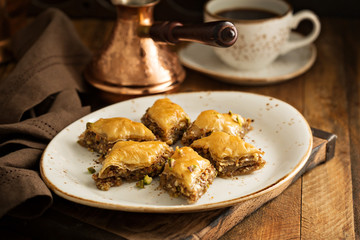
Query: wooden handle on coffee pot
point(219, 33)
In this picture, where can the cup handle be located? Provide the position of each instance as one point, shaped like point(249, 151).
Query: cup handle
point(297, 18)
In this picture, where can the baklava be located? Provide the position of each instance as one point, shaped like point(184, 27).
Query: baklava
point(101, 135)
point(167, 120)
point(187, 174)
point(230, 155)
point(212, 121)
point(132, 161)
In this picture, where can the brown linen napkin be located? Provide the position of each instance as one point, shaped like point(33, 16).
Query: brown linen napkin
point(37, 100)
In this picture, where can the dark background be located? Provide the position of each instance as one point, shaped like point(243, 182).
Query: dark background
point(188, 10)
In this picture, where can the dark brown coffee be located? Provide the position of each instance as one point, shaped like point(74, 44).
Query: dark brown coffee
point(247, 14)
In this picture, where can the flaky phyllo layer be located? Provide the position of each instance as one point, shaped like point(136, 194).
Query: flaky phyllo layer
point(101, 135)
point(167, 120)
point(212, 121)
point(131, 160)
point(187, 174)
point(230, 155)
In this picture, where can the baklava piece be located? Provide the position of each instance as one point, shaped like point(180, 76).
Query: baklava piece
point(187, 174)
point(211, 121)
point(132, 161)
point(230, 155)
point(101, 135)
point(166, 120)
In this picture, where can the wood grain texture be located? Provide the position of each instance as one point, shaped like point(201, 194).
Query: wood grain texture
point(327, 204)
point(352, 79)
point(323, 204)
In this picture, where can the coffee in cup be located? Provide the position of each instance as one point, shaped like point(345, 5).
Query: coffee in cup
point(264, 28)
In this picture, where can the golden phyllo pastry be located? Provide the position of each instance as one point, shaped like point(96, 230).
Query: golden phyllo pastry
point(212, 121)
point(131, 160)
point(101, 135)
point(230, 155)
point(187, 174)
point(166, 120)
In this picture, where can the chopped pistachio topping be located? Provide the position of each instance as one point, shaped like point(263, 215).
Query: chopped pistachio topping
point(179, 150)
point(147, 180)
point(238, 120)
point(140, 184)
point(192, 168)
point(171, 162)
point(91, 170)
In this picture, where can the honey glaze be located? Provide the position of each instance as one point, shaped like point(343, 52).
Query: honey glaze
point(166, 113)
point(121, 128)
point(187, 166)
point(134, 155)
point(211, 120)
point(222, 145)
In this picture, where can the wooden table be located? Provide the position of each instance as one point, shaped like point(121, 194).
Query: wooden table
point(322, 204)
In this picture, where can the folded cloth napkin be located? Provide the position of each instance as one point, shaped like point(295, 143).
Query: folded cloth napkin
point(37, 100)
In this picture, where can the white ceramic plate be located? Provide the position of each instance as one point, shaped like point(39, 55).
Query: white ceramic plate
point(279, 130)
point(201, 58)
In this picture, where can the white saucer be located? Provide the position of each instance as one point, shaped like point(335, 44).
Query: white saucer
point(202, 58)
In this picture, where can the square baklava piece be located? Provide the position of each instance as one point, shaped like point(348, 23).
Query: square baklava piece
point(101, 135)
point(166, 120)
point(230, 155)
point(210, 121)
point(132, 161)
point(187, 174)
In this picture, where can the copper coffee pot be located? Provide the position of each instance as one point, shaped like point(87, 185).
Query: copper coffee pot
point(137, 60)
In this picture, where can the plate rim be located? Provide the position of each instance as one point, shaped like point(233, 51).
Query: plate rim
point(251, 81)
point(183, 208)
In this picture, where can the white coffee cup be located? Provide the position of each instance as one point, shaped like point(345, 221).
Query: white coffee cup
point(260, 41)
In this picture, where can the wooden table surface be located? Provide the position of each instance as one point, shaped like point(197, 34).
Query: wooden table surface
point(325, 202)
